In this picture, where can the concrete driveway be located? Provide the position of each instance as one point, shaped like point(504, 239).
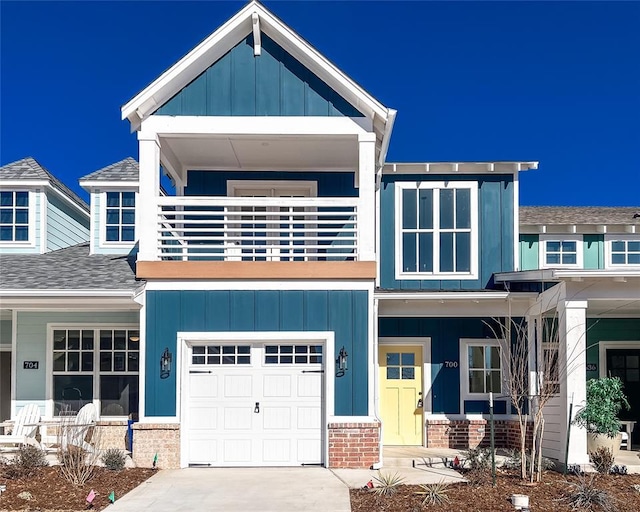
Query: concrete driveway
point(310, 489)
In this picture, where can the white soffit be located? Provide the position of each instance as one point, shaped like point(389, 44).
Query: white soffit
point(225, 38)
point(458, 167)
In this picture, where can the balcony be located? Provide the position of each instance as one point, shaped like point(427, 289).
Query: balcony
point(267, 229)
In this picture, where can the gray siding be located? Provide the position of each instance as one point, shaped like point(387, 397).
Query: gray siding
point(65, 225)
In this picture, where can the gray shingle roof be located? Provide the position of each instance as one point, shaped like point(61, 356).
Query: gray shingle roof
point(124, 170)
point(71, 268)
point(547, 215)
point(29, 169)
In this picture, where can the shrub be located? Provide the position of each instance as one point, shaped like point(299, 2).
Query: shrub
point(584, 495)
point(387, 483)
point(605, 399)
point(434, 494)
point(514, 458)
point(478, 459)
point(602, 459)
point(113, 459)
point(27, 459)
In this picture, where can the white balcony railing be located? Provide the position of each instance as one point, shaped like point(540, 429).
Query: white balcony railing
point(257, 228)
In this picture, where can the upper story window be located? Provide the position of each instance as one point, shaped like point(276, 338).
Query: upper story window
point(14, 216)
point(120, 220)
point(437, 230)
point(561, 251)
point(623, 251)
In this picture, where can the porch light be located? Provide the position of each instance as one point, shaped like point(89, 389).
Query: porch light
point(165, 364)
point(342, 360)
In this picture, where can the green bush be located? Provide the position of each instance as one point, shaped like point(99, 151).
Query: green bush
point(478, 459)
point(605, 399)
point(113, 459)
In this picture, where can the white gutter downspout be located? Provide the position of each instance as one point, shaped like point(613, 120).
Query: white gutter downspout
point(376, 396)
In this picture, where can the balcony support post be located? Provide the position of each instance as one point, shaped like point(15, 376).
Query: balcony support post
point(147, 228)
point(366, 182)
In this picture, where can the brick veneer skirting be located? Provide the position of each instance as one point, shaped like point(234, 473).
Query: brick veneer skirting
point(464, 434)
point(354, 445)
point(156, 438)
point(113, 434)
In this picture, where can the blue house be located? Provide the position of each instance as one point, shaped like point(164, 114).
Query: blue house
point(294, 298)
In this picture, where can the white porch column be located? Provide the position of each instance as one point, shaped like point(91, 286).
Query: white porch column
point(148, 197)
point(367, 197)
point(573, 388)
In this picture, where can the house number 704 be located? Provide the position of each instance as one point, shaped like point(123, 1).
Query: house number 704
point(451, 364)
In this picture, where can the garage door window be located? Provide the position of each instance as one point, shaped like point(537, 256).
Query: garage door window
point(221, 354)
point(293, 354)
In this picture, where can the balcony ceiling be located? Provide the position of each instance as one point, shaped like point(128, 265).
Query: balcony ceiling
point(262, 153)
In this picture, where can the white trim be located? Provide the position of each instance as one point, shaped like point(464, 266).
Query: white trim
point(14, 360)
point(542, 250)
point(67, 293)
point(465, 394)
point(251, 284)
point(310, 187)
point(68, 200)
point(603, 346)
point(608, 239)
point(44, 224)
point(436, 230)
point(470, 416)
point(31, 212)
point(102, 221)
point(458, 168)
point(221, 41)
point(488, 295)
point(516, 221)
point(95, 373)
point(185, 339)
point(92, 185)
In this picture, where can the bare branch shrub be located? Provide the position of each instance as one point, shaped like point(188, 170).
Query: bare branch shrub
point(78, 450)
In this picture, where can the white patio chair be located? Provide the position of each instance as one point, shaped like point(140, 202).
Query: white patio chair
point(72, 431)
point(24, 428)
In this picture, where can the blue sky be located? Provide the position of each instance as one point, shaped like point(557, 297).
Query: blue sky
point(557, 82)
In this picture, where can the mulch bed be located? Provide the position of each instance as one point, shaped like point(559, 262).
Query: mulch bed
point(52, 493)
point(546, 496)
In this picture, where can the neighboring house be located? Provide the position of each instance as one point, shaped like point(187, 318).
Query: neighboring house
point(297, 299)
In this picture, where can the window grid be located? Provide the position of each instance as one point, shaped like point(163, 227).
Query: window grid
point(293, 354)
point(80, 371)
point(485, 369)
point(14, 216)
point(120, 216)
point(625, 252)
point(221, 354)
point(561, 252)
point(436, 226)
point(401, 366)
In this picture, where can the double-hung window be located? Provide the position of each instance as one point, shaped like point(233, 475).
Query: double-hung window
point(437, 230)
point(98, 365)
point(624, 252)
point(14, 216)
point(561, 252)
point(120, 218)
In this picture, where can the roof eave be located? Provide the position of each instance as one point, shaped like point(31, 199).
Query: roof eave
point(497, 167)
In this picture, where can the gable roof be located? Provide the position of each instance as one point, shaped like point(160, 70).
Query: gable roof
point(28, 169)
point(146, 102)
point(572, 215)
point(72, 268)
point(124, 170)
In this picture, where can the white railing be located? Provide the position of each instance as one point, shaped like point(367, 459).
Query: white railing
point(257, 228)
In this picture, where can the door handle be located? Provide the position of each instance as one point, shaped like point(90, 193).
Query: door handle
point(420, 403)
point(257, 407)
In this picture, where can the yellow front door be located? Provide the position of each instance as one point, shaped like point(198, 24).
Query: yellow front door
point(400, 393)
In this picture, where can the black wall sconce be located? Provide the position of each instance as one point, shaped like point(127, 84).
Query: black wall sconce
point(342, 362)
point(165, 364)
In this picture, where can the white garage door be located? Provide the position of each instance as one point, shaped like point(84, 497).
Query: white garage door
point(254, 404)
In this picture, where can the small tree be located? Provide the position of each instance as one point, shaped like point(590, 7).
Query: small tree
point(605, 400)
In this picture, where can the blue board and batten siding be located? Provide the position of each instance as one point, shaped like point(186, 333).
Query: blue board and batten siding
point(343, 312)
point(330, 184)
point(445, 335)
point(495, 237)
point(271, 84)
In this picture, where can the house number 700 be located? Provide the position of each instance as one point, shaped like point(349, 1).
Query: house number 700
point(451, 364)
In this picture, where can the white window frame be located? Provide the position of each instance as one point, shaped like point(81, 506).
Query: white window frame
point(544, 239)
point(96, 374)
point(474, 232)
point(31, 237)
point(465, 394)
point(103, 218)
point(310, 187)
point(608, 244)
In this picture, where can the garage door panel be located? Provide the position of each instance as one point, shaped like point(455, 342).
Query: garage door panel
point(203, 385)
point(203, 417)
point(237, 450)
point(238, 386)
point(309, 417)
point(310, 385)
point(276, 418)
point(238, 418)
point(203, 451)
point(309, 451)
point(275, 386)
point(276, 450)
